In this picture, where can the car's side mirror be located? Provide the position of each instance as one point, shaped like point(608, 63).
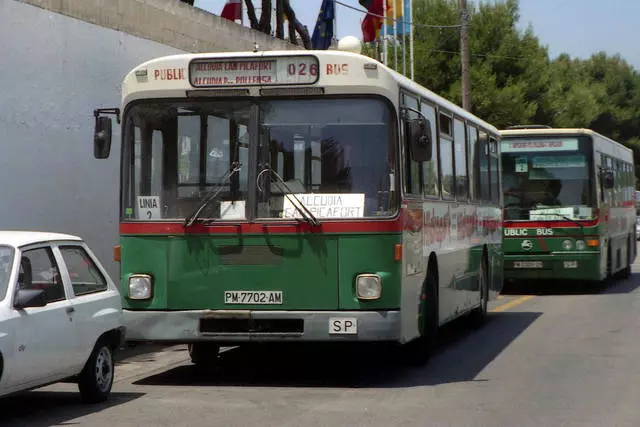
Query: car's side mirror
point(29, 298)
point(419, 137)
point(608, 181)
point(102, 137)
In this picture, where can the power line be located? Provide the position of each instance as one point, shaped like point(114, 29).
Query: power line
point(400, 21)
point(482, 55)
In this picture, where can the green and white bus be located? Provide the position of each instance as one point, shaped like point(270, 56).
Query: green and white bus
point(569, 208)
point(300, 196)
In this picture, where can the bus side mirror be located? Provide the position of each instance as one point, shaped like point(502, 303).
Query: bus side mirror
point(607, 180)
point(419, 135)
point(102, 137)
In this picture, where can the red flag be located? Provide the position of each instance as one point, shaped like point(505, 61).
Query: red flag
point(232, 10)
point(371, 25)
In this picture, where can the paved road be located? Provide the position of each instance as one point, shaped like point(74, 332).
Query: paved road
point(567, 359)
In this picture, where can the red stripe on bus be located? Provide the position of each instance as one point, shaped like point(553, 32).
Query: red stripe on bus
point(549, 224)
point(262, 227)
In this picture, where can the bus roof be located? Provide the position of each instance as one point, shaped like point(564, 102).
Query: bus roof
point(170, 76)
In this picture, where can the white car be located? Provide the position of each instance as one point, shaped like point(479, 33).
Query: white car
point(60, 315)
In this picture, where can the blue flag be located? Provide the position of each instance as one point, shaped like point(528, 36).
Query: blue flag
point(323, 32)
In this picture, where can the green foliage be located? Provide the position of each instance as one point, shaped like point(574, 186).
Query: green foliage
point(513, 81)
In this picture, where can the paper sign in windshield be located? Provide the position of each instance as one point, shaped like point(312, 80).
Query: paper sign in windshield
point(148, 207)
point(326, 205)
point(232, 210)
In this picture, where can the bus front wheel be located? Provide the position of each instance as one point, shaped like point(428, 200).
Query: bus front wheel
point(418, 351)
point(204, 354)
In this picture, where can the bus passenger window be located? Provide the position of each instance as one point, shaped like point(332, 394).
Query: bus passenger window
point(430, 185)
point(413, 167)
point(495, 169)
point(483, 187)
point(472, 138)
point(446, 158)
point(460, 160)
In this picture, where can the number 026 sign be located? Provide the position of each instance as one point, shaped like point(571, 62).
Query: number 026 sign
point(250, 72)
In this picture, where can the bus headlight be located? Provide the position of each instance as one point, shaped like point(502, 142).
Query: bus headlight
point(580, 245)
point(567, 245)
point(368, 286)
point(140, 286)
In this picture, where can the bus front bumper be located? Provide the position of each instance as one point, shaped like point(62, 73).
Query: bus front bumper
point(276, 326)
point(564, 266)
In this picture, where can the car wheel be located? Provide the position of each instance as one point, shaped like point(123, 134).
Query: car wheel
point(96, 378)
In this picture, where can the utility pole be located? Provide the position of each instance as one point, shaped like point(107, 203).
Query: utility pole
point(464, 55)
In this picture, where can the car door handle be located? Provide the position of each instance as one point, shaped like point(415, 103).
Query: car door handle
point(70, 310)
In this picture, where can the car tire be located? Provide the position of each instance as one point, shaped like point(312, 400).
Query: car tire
point(96, 379)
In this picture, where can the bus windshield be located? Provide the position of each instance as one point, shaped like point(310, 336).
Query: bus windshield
point(336, 155)
point(548, 179)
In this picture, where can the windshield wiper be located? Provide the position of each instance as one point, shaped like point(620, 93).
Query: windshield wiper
point(212, 194)
point(300, 207)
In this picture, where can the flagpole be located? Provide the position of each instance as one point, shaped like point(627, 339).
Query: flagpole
point(335, 22)
point(241, 13)
point(411, 37)
point(395, 35)
point(404, 41)
point(384, 32)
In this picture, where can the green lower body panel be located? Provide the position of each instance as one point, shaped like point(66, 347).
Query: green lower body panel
point(582, 266)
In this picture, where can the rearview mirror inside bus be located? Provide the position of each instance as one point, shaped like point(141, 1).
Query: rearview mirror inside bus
point(607, 179)
point(419, 134)
point(102, 137)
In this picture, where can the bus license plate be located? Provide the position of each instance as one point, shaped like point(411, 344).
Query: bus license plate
point(253, 297)
point(343, 326)
point(527, 264)
point(570, 264)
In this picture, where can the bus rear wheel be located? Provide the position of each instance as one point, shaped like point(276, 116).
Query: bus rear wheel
point(419, 351)
point(626, 272)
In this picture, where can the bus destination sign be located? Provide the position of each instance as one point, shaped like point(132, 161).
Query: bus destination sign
point(289, 70)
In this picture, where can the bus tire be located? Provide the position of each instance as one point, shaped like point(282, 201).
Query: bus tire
point(204, 354)
point(478, 315)
point(419, 351)
point(626, 272)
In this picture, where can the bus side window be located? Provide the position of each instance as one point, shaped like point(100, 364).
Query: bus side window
point(495, 170)
point(460, 158)
point(472, 138)
point(412, 174)
point(483, 183)
point(446, 156)
point(430, 185)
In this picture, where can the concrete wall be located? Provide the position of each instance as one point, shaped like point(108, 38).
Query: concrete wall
point(55, 70)
point(169, 22)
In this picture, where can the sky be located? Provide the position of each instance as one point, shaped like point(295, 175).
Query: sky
point(577, 27)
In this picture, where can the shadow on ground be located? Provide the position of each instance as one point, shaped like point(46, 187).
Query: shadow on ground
point(461, 356)
point(558, 287)
point(47, 408)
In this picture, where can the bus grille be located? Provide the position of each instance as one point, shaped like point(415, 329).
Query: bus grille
point(252, 326)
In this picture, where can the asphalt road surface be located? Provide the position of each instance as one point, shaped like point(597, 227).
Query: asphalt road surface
point(562, 357)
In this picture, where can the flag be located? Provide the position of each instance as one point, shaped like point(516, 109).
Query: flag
point(232, 10)
point(371, 24)
point(323, 32)
point(403, 16)
point(403, 13)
